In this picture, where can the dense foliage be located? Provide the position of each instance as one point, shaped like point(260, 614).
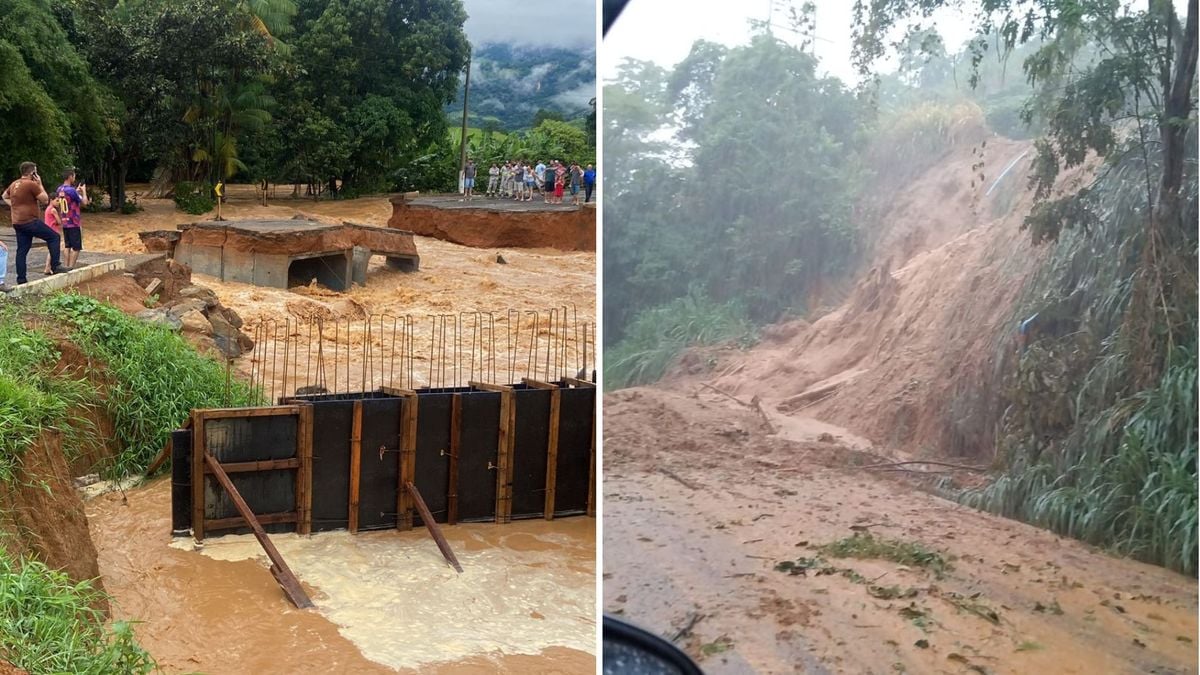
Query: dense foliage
point(339, 95)
point(517, 86)
point(50, 624)
point(748, 206)
point(156, 377)
point(1097, 423)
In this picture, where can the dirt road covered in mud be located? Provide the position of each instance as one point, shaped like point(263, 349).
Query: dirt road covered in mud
point(740, 545)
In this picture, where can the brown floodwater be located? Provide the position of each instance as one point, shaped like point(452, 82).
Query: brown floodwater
point(385, 601)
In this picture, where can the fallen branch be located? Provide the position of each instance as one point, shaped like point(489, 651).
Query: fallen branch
point(887, 465)
point(675, 477)
point(763, 413)
point(725, 394)
point(693, 618)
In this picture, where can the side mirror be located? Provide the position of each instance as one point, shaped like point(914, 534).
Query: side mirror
point(612, 9)
point(629, 650)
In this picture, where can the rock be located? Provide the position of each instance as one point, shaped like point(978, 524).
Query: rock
point(229, 315)
point(162, 317)
point(195, 321)
point(231, 341)
point(84, 481)
point(153, 286)
point(186, 306)
point(500, 259)
point(200, 293)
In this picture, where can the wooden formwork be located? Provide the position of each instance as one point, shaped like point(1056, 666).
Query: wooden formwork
point(482, 452)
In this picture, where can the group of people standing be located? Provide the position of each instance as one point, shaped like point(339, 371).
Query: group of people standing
point(59, 222)
point(520, 180)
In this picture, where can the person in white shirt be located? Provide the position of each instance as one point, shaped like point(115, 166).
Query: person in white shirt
point(493, 180)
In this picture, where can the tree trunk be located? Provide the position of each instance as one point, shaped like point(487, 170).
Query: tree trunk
point(1173, 126)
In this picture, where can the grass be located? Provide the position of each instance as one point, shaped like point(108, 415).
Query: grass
point(1090, 451)
point(656, 337)
point(32, 396)
point(49, 624)
point(157, 377)
point(864, 545)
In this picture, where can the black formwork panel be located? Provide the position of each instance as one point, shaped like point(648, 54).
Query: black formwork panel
point(530, 445)
point(477, 443)
point(576, 410)
point(246, 439)
point(379, 474)
point(433, 454)
point(333, 422)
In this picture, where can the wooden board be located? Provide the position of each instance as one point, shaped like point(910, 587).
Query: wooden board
point(432, 526)
point(280, 570)
point(264, 465)
point(552, 452)
point(220, 413)
point(408, 462)
point(304, 473)
point(355, 465)
point(504, 455)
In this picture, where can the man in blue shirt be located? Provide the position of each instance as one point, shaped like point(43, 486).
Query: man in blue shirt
point(589, 182)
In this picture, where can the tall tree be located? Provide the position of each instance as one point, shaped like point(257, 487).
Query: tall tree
point(1142, 78)
point(376, 75)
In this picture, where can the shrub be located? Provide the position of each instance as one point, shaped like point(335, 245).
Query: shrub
point(194, 198)
point(50, 624)
point(158, 378)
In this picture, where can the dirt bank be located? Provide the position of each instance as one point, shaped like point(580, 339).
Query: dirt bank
point(701, 504)
point(927, 316)
point(192, 605)
point(44, 515)
point(495, 223)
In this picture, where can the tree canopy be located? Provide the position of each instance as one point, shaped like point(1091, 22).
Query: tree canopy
point(347, 94)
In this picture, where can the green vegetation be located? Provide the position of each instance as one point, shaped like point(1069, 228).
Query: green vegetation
point(866, 545)
point(50, 624)
point(339, 96)
point(749, 207)
point(658, 335)
point(32, 395)
point(156, 377)
point(1097, 420)
point(518, 86)
point(194, 198)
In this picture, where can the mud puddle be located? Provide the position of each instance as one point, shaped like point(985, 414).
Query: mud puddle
point(708, 506)
point(386, 602)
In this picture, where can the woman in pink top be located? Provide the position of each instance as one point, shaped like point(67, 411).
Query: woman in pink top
point(54, 222)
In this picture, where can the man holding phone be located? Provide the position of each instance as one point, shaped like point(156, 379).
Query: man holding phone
point(68, 200)
point(25, 196)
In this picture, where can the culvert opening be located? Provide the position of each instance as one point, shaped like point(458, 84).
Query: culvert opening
point(331, 270)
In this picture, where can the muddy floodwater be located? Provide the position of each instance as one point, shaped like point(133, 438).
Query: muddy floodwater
point(385, 601)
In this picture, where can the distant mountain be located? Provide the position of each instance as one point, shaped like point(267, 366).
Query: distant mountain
point(510, 83)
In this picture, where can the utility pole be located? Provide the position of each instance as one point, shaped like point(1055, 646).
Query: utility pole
point(462, 155)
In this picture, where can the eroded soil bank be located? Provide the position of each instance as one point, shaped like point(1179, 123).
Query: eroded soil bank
point(702, 503)
point(385, 601)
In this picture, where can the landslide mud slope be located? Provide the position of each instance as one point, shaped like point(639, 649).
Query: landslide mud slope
point(927, 315)
point(701, 504)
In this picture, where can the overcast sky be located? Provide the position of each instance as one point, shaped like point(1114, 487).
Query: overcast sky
point(557, 23)
point(663, 31)
point(642, 31)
